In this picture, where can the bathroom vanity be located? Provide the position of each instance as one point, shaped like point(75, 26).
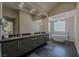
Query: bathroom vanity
point(17, 46)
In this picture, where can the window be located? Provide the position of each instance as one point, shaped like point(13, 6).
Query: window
point(59, 26)
point(10, 26)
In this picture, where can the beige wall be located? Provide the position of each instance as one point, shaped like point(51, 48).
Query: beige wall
point(0, 19)
point(0, 27)
point(45, 24)
point(62, 7)
point(70, 27)
point(0, 10)
point(77, 29)
point(8, 12)
point(27, 24)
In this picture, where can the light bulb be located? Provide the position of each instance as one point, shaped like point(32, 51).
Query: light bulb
point(32, 10)
point(22, 3)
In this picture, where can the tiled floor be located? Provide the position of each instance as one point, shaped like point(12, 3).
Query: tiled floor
point(54, 49)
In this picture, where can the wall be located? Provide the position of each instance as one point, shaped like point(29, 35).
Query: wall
point(27, 24)
point(62, 7)
point(8, 12)
point(45, 24)
point(0, 9)
point(0, 26)
point(0, 20)
point(69, 18)
point(77, 29)
point(70, 27)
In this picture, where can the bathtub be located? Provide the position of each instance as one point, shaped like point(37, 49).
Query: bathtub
point(60, 38)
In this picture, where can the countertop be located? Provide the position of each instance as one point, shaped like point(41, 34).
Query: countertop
point(19, 37)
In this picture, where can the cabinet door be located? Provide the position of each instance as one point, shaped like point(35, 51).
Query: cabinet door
point(38, 40)
point(26, 44)
point(10, 48)
point(47, 37)
point(41, 39)
point(44, 38)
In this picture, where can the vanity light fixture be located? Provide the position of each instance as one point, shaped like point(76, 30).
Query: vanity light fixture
point(39, 14)
point(32, 10)
point(21, 4)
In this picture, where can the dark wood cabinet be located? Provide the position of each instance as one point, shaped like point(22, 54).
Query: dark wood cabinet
point(35, 42)
point(20, 46)
point(10, 48)
point(26, 44)
point(41, 39)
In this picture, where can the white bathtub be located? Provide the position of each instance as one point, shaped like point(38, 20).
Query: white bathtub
point(60, 38)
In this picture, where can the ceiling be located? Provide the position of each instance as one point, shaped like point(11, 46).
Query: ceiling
point(41, 7)
point(16, 6)
point(47, 6)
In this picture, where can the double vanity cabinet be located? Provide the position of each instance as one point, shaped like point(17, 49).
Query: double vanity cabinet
point(17, 46)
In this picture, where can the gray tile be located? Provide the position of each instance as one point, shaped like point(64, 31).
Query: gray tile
point(54, 49)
